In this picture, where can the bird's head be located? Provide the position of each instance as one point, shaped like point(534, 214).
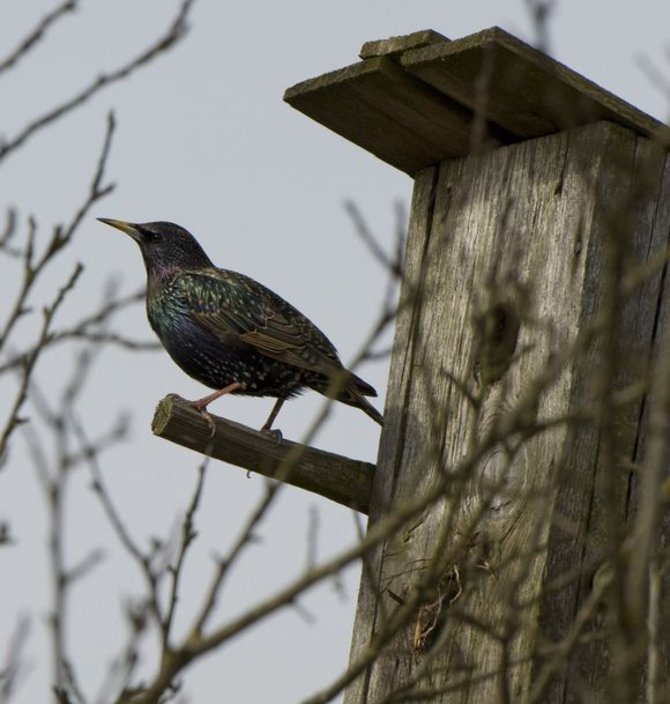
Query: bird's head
point(164, 245)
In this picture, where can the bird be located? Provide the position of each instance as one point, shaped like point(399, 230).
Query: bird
point(232, 333)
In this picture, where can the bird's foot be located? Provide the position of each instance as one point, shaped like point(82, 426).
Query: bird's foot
point(202, 410)
point(267, 426)
point(210, 422)
point(273, 433)
point(201, 404)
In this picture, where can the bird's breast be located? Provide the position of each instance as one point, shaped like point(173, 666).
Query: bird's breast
point(213, 358)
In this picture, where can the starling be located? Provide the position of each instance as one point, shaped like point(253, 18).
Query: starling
point(230, 332)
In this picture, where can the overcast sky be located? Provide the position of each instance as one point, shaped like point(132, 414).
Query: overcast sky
point(205, 140)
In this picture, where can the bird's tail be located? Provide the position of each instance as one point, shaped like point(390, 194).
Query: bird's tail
point(353, 394)
point(365, 406)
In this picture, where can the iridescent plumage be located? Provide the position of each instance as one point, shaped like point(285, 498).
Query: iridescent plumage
point(230, 332)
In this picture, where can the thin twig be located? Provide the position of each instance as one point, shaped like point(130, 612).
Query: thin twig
point(188, 534)
point(14, 419)
point(31, 40)
point(246, 536)
point(32, 269)
point(392, 265)
point(175, 32)
point(14, 669)
point(86, 330)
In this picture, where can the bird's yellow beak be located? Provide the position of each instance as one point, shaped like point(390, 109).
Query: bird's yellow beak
point(126, 227)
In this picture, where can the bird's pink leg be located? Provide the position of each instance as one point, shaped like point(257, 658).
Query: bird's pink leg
point(202, 403)
point(267, 427)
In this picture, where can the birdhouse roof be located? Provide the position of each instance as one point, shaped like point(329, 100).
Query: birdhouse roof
point(419, 99)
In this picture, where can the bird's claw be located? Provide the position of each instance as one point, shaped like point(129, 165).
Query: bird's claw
point(202, 410)
point(276, 434)
point(210, 422)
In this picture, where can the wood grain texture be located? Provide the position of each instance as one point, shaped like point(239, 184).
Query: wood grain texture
point(340, 479)
point(526, 92)
point(527, 228)
point(420, 99)
point(394, 46)
point(371, 608)
point(380, 107)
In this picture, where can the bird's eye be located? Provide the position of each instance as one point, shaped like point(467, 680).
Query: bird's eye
point(147, 234)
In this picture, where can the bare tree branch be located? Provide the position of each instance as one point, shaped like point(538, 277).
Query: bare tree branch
point(14, 419)
point(188, 534)
point(37, 34)
point(88, 329)
point(32, 270)
point(175, 32)
point(13, 670)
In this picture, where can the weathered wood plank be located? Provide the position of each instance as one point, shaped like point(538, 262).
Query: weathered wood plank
point(527, 227)
point(378, 106)
point(397, 45)
point(632, 218)
point(340, 479)
point(395, 419)
point(519, 88)
point(420, 99)
point(650, 486)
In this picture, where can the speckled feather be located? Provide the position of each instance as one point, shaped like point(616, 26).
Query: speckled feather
point(222, 327)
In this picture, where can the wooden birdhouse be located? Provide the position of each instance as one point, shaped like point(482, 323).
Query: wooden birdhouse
point(517, 544)
point(531, 307)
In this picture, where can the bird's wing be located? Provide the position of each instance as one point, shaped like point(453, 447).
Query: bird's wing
point(235, 307)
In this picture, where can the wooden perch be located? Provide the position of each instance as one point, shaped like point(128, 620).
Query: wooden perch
point(346, 481)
